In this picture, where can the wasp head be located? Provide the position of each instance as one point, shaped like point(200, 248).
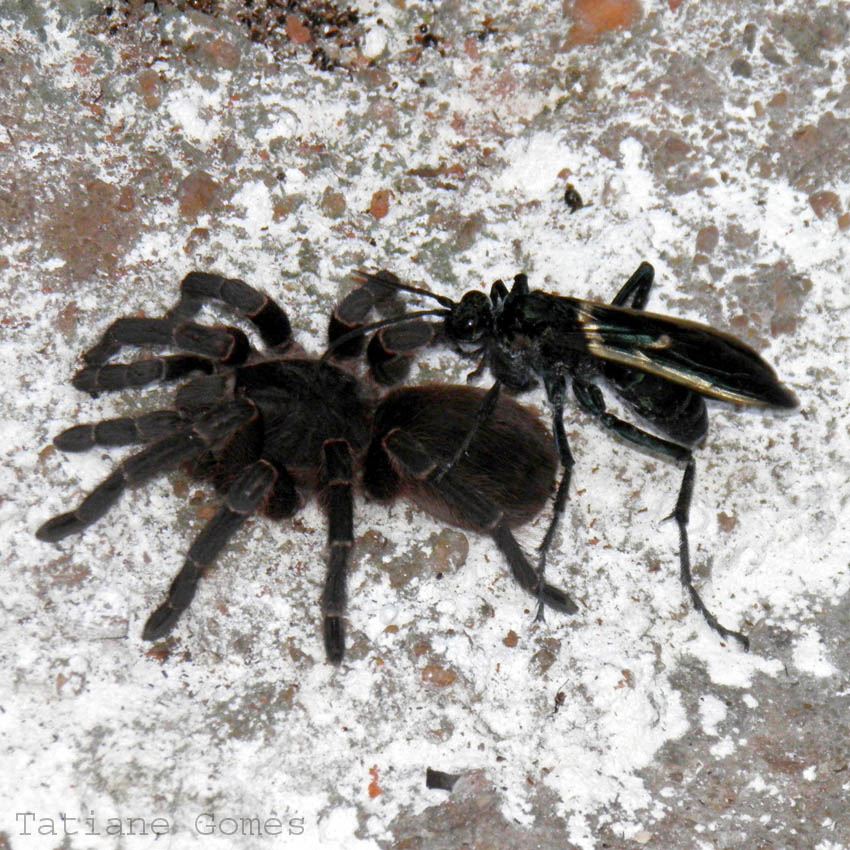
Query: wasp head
point(471, 320)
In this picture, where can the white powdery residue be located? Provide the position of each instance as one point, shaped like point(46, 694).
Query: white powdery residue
point(52, 264)
point(641, 192)
point(580, 833)
point(324, 119)
point(58, 51)
point(18, 248)
point(712, 711)
point(157, 248)
point(285, 124)
point(729, 664)
point(783, 231)
point(758, 784)
point(534, 164)
point(193, 109)
point(809, 655)
point(781, 556)
point(107, 618)
point(256, 200)
point(386, 615)
point(359, 683)
point(667, 230)
point(381, 37)
point(389, 13)
point(632, 714)
point(123, 113)
point(375, 42)
point(724, 747)
point(294, 179)
point(11, 35)
point(631, 832)
point(337, 831)
point(37, 750)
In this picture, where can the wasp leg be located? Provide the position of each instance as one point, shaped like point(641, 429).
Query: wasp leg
point(556, 390)
point(488, 405)
point(414, 461)
point(526, 576)
point(561, 495)
point(637, 288)
point(590, 398)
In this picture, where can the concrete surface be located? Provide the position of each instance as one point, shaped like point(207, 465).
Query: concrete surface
point(291, 145)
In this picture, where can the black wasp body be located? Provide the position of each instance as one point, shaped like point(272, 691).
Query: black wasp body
point(268, 428)
point(661, 368)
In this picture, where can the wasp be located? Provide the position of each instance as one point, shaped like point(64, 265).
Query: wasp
point(661, 368)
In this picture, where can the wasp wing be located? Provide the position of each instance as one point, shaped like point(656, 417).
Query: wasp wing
point(705, 360)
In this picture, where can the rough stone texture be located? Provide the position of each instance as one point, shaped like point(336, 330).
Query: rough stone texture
point(139, 141)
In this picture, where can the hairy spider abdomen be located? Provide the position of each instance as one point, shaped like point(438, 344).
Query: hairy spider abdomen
point(511, 462)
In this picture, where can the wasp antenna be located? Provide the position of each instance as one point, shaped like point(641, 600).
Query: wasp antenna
point(388, 279)
point(375, 326)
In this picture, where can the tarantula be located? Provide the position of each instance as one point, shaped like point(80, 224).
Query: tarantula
point(266, 426)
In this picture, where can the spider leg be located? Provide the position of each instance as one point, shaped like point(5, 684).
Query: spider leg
point(390, 350)
point(265, 314)
point(200, 394)
point(337, 470)
point(119, 432)
point(413, 459)
point(353, 310)
point(119, 376)
point(590, 398)
point(166, 453)
point(224, 344)
point(250, 489)
point(282, 502)
point(175, 329)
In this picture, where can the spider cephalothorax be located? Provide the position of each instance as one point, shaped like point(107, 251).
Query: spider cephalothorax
point(264, 426)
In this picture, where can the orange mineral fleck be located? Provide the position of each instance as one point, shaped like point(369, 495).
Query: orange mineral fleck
point(593, 18)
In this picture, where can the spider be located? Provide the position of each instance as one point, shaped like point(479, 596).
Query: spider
point(267, 427)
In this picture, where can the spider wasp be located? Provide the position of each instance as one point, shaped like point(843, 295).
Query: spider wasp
point(661, 368)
